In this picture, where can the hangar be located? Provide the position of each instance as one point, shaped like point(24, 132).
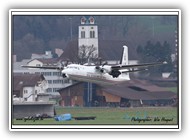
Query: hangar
point(134, 93)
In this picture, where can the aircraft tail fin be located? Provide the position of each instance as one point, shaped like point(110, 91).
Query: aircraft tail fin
point(124, 59)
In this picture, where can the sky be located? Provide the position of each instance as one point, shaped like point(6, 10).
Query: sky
point(4, 63)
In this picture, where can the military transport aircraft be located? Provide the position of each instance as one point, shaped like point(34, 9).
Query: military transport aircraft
point(101, 74)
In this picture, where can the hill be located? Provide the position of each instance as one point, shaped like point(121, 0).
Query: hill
point(36, 34)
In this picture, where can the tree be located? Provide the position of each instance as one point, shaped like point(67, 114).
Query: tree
point(87, 53)
point(156, 53)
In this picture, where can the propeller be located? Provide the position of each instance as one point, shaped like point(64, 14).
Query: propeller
point(101, 66)
point(66, 63)
point(62, 66)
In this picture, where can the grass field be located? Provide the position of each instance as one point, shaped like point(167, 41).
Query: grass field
point(154, 115)
point(173, 89)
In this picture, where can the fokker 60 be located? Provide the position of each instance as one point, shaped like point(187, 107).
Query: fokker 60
point(101, 74)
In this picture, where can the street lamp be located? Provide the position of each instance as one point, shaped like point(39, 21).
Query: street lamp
point(153, 32)
point(71, 28)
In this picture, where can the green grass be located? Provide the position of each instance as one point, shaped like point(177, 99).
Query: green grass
point(173, 89)
point(111, 116)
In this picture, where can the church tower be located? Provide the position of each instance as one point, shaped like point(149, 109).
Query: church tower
point(88, 38)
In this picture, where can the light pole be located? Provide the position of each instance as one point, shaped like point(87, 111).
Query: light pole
point(71, 28)
point(153, 32)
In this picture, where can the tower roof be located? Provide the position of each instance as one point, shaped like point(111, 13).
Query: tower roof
point(86, 20)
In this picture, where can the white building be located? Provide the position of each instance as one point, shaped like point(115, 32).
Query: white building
point(54, 77)
point(47, 54)
point(88, 37)
point(26, 87)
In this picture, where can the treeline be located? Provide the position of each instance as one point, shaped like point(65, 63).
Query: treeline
point(36, 34)
point(157, 52)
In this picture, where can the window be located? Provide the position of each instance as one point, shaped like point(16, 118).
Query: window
point(82, 34)
point(66, 81)
point(92, 34)
point(56, 73)
point(57, 81)
point(55, 89)
point(49, 90)
point(46, 73)
point(25, 91)
point(26, 72)
point(49, 81)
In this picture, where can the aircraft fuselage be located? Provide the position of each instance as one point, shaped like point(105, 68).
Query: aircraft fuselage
point(91, 74)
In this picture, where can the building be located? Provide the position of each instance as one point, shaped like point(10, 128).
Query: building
point(88, 38)
point(72, 95)
point(26, 87)
point(58, 52)
point(47, 54)
point(54, 78)
point(134, 93)
point(29, 96)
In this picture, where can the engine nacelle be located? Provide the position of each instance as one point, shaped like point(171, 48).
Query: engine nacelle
point(104, 68)
point(115, 73)
point(100, 69)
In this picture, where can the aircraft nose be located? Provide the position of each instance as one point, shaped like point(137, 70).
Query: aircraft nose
point(65, 71)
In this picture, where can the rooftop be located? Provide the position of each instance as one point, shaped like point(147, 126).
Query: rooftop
point(21, 80)
point(47, 61)
point(140, 89)
point(135, 90)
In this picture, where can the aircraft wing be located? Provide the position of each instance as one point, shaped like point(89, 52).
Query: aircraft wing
point(145, 65)
point(44, 67)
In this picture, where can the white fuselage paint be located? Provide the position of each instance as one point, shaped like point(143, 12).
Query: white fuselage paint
point(91, 74)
